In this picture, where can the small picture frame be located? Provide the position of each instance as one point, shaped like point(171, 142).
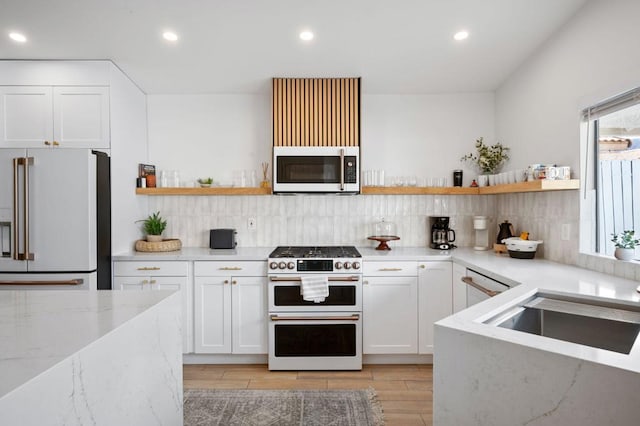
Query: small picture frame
point(148, 171)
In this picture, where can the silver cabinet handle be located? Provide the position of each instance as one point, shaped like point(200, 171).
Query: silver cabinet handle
point(354, 317)
point(298, 279)
point(230, 268)
point(469, 281)
point(149, 268)
point(389, 269)
point(76, 281)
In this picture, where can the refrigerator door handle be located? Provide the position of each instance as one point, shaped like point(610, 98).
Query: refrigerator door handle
point(16, 225)
point(27, 254)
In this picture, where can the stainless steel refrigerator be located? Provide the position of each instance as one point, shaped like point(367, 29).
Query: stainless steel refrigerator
point(55, 215)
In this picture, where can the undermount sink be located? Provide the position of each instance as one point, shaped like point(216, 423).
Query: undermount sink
point(599, 324)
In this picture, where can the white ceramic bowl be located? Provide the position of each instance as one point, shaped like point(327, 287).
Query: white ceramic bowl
point(521, 249)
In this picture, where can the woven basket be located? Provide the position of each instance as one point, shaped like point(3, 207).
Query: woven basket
point(165, 245)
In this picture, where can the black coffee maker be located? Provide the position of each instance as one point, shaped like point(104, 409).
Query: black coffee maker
point(442, 237)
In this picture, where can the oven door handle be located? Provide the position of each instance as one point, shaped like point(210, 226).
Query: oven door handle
point(298, 279)
point(341, 169)
point(354, 317)
point(469, 281)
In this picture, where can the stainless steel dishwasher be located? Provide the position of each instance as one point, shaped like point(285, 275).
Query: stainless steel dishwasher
point(481, 287)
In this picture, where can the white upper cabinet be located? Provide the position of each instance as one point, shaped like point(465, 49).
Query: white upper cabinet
point(58, 116)
point(26, 116)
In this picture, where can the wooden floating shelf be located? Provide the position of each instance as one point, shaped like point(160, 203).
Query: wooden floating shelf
point(533, 186)
point(418, 190)
point(216, 190)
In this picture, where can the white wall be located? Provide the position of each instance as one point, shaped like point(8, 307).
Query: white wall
point(128, 149)
point(209, 135)
point(594, 56)
point(422, 135)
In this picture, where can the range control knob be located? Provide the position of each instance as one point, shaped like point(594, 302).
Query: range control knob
point(356, 265)
point(347, 265)
point(282, 265)
point(273, 265)
point(291, 265)
point(338, 265)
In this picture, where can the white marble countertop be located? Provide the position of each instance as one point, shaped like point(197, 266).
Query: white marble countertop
point(534, 276)
point(199, 253)
point(39, 329)
point(262, 253)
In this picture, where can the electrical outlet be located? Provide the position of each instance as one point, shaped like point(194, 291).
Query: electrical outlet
point(252, 225)
point(566, 231)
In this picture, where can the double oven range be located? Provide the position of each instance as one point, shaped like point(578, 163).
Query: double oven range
point(308, 335)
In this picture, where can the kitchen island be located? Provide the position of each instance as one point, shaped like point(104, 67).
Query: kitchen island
point(78, 358)
point(488, 375)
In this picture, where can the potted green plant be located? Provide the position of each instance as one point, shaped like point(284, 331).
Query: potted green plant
point(205, 182)
point(154, 225)
point(625, 243)
point(487, 158)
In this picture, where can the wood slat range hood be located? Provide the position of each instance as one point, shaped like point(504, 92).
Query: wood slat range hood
point(316, 112)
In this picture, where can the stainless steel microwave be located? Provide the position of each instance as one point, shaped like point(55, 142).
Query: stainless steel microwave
point(316, 169)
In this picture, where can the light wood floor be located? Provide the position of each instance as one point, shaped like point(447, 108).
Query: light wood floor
point(405, 391)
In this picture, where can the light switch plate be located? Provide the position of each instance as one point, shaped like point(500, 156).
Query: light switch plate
point(252, 225)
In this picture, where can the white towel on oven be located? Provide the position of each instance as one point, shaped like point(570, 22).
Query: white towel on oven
point(314, 288)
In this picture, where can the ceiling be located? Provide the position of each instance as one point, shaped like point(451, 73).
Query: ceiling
point(236, 46)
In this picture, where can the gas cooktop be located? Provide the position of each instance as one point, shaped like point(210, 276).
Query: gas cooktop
point(324, 252)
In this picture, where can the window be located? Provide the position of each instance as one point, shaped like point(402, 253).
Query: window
point(614, 129)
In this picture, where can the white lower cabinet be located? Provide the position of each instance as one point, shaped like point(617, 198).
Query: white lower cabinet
point(163, 275)
point(230, 307)
point(390, 308)
point(435, 300)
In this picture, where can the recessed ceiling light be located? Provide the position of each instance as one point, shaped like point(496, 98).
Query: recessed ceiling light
point(306, 35)
point(170, 35)
point(461, 35)
point(20, 38)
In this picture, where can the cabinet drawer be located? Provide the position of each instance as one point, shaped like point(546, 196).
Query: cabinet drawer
point(235, 268)
point(397, 269)
point(172, 268)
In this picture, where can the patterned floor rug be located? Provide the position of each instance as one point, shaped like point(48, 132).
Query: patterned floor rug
point(281, 408)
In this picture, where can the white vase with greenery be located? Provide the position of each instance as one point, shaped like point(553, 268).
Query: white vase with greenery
point(625, 243)
point(488, 159)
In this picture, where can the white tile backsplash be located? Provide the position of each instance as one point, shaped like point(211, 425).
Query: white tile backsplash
point(335, 219)
point(317, 219)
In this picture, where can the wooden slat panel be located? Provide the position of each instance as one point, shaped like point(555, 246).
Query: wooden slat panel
point(352, 112)
point(308, 83)
point(287, 112)
point(316, 112)
point(343, 111)
point(334, 113)
point(356, 118)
